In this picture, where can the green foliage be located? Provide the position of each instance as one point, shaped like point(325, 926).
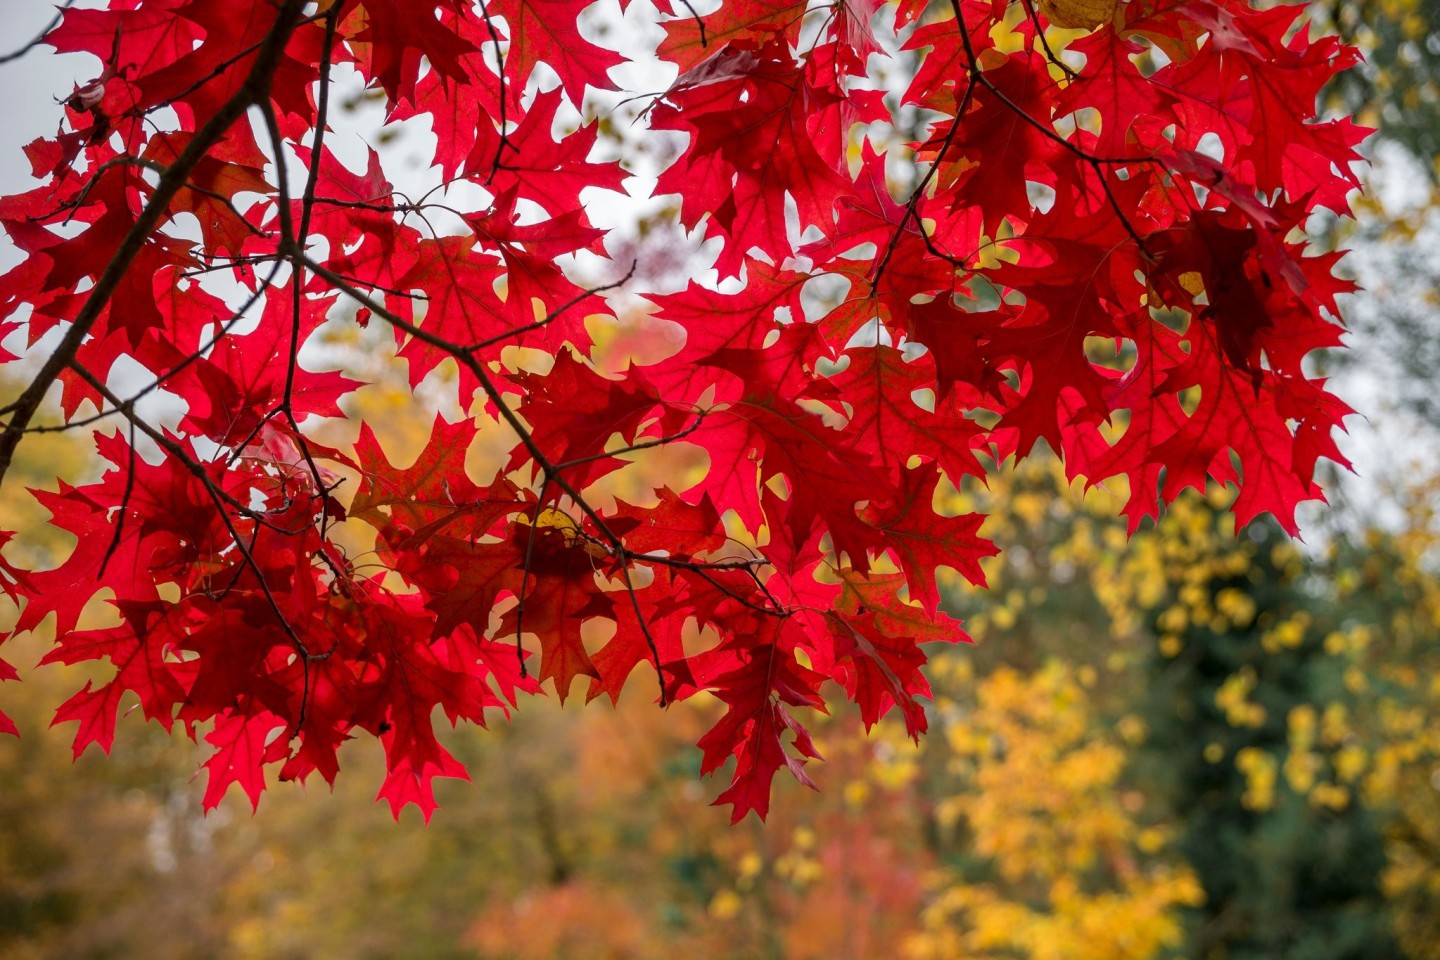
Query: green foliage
point(1289, 864)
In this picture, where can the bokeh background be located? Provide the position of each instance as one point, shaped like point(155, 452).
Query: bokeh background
point(1194, 742)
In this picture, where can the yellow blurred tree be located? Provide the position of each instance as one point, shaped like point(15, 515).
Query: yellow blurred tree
point(1058, 862)
point(1048, 848)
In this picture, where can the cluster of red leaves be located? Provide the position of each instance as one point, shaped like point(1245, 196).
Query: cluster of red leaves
point(1148, 186)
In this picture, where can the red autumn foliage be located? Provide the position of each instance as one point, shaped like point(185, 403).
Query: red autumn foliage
point(1148, 186)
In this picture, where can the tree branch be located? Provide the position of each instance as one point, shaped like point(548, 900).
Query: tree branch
point(171, 182)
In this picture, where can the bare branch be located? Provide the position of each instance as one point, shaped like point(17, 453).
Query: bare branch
point(173, 180)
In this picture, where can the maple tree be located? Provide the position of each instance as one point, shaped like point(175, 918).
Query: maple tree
point(1136, 173)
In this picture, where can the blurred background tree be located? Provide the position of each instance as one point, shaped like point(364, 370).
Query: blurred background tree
point(1398, 88)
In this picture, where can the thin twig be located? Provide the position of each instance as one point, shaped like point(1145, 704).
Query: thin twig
point(1045, 41)
point(553, 315)
point(644, 629)
point(698, 20)
point(39, 38)
point(1094, 161)
point(525, 574)
point(916, 195)
point(504, 107)
point(124, 507)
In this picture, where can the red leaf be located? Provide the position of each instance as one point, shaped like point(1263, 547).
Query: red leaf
point(923, 541)
point(239, 741)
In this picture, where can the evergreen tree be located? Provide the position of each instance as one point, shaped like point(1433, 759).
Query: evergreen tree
point(1289, 864)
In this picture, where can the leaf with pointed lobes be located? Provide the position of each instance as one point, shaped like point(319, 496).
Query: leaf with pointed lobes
point(573, 412)
point(655, 622)
point(462, 580)
point(240, 741)
point(878, 594)
point(238, 386)
point(398, 37)
point(433, 494)
point(546, 171)
point(671, 522)
point(759, 754)
point(549, 31)
point(889, 425)
point(756, 673)
point(564, 233)
point(208, 195)
point(876, 654)
point(742, 107)
point(923, 541)
point(563, 593)
point(880, 670)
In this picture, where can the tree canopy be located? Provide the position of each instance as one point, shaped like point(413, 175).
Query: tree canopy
point(919, 240)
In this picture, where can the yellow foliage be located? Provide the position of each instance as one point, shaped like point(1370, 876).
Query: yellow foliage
point(1285, 635)
point(1259, 769)
point(1372, 737)
point(1074, 873)
point(1233, 698)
